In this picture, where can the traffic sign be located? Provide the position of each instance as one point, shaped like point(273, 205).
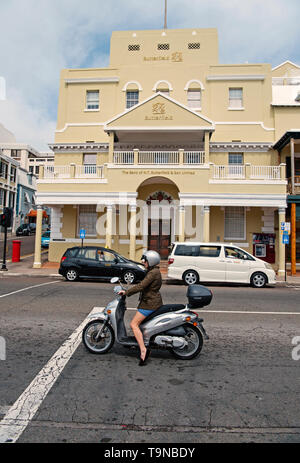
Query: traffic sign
point(285, 239)
point(285, 227)
point(82, 233)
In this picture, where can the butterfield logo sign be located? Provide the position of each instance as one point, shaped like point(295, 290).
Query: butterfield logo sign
point(175, 57)
point(158, 108)
point(159, 113)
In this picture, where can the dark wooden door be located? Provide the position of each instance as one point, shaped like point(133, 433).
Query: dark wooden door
point(159, 236)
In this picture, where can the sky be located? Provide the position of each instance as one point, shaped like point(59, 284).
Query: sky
point(38, 38)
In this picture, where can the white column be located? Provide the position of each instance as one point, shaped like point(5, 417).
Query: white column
point(132, 232)
point(38, 236)
point(206, 224)
point(109, 223)
point(181, 223)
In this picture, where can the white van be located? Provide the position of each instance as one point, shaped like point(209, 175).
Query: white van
point(217, 262)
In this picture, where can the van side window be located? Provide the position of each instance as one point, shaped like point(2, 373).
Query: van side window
point(210, 251)
point(183, 250)
point(237, 254)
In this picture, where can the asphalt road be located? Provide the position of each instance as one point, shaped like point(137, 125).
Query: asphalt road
point(27, 245)
point(243, 387)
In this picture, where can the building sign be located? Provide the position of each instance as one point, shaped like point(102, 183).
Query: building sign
point(175, 57)
point(159, 108)
point(159, 113)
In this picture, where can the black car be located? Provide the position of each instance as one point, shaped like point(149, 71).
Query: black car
point(25, 229)
point(98, 262)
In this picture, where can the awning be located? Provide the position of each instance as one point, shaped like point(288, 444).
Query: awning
point(286, 138)
point(33, 212)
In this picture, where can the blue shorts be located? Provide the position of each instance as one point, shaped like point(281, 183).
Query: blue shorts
point(145, 312)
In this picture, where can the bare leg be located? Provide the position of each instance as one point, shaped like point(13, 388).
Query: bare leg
point(134, 324)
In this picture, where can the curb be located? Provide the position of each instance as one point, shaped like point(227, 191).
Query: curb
point(165, 280)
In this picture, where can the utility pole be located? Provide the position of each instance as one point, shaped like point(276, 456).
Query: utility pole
point(165, 24)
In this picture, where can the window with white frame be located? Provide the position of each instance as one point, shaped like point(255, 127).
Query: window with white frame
point(90, 163)
point(87, 219)
point(92, 99)
point(236, 164)
point(132, 98)
point(235, 158)
point(194, 98)
point(235, 223)
point(235, 98)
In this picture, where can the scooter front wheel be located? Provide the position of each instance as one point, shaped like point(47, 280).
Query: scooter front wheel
point(98, 344)
point(194, 343)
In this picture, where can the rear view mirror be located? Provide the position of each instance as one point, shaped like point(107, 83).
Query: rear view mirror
point(114, 280)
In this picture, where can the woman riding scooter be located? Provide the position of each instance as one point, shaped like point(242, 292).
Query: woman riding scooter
point(150, 298)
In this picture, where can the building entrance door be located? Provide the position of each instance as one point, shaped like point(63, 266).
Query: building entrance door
point(159, 236)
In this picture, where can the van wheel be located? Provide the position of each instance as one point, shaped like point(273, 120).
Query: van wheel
point(258, 280)
point(190, 277)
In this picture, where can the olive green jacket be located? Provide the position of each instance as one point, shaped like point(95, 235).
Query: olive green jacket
point(150, 298)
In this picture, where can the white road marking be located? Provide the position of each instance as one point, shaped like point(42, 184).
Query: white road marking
point(28, 287)
point(23, 410)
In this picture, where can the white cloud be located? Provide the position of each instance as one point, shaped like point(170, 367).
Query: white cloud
point(39, 38)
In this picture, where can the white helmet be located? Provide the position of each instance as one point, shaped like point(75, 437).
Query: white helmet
point(152, 257)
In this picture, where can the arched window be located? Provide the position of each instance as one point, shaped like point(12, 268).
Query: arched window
point(163, 86)
point(132, 98)
point(132, 90)
point(194, 93)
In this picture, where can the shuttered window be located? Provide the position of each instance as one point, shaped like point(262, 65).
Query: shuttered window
point(87, 218)
point(235, 223)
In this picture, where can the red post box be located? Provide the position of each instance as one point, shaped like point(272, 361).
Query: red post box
point(16, 248)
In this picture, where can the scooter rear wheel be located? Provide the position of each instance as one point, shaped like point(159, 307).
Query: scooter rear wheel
point(101, 345)
point(195, 342)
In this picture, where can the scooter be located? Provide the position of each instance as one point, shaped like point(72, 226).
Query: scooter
point(174, 327)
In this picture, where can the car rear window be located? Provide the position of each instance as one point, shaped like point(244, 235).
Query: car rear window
point(71, 252)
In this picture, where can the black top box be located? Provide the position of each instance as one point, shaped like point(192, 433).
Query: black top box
point(198, 296)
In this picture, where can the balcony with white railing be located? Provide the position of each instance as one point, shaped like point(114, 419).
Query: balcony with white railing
point(57, 172)
point(229, 172)
point(159, 158)
point(247, 171)
point(72, 171)
point(265, 172)
point(89, 171)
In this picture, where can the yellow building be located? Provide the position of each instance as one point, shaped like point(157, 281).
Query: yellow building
point(166, 143)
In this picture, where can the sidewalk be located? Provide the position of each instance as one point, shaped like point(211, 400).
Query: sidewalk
point(50, 269)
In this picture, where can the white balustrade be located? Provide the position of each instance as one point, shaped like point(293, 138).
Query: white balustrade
point(194, 157)
point(265, 172)
point(158, 157)
point(123, 157)
point(229, 171)
point(89, 171)
point(56, 171)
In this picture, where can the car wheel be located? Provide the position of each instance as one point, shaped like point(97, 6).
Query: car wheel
point(190, 277)
point(71, 274)
point(129, 277)
point(258, 280)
